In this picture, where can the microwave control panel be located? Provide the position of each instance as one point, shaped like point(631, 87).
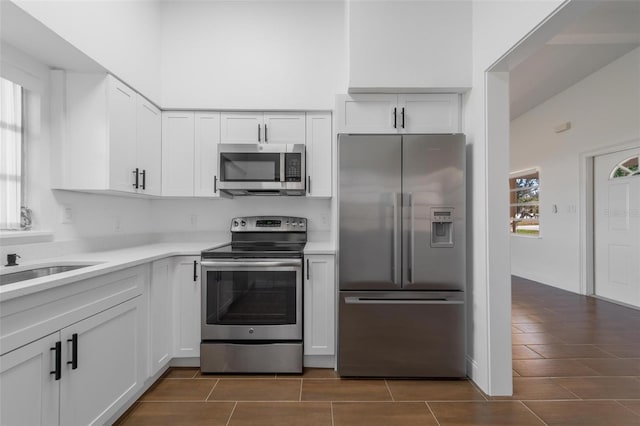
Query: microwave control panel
point(292, 167)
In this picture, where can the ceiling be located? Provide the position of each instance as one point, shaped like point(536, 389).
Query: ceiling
point(599, 37)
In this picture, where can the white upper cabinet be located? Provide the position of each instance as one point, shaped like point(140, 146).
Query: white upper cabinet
point(149, 146)
point(121, 102)
point(241, 127)
point(370, 113)
point(111, 141)
point(190, 153)
point(429, 113)
point(405, 113)
point(319, 158)
point(284, 127)
point(207, 139)
point(177, 153)
point(258, 127)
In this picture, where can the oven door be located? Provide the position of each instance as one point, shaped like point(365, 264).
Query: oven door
point(252, 299)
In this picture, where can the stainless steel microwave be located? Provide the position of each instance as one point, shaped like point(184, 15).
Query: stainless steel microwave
point(261, 169)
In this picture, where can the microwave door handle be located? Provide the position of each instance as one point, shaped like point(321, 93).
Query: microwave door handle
point(282, 159)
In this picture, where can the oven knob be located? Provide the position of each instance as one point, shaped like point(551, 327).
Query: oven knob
point(235, 223)
point(301, 224)
point(293, 224)
point(243, 223)
point(251, 330)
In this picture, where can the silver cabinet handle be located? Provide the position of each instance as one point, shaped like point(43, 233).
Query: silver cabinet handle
point(376, 301)
point(309, 180)
point(259, 132)
point(308, 271)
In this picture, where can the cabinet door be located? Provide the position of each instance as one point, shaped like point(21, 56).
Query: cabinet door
point(207, 139)
point(284, 127)
point(241, 127)
point(367, 113)
point(177, 153)
point(28, 391)
point(319, 305)
point(160, 318)
point(319, 159)
point(186, 297)
point(429, 113)
point(122, 135)
point(110, 364)
point(149, 147)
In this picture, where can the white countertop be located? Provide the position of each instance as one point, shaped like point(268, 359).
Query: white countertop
point(113, 260)
point(106, 261)
point(319, 247)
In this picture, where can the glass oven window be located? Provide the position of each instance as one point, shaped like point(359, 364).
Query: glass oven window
point(252, 167)
point(251, 297)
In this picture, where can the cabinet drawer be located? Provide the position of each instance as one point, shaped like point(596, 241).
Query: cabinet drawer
point(26, 319)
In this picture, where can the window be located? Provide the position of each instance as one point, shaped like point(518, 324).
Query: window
point(628, 167)
point(524, 212)
point(11, 155)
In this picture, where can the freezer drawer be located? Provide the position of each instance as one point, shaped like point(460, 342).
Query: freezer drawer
point(401, 334)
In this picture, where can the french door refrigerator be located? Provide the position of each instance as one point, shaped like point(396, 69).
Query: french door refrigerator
point(401, 255)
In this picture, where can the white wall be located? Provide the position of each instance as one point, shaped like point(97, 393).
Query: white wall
point(409, 44)
point(497, 26)
point(214, 216)
point(604, 110)
point(93, 215)
point(122, 36)
point(252, 54)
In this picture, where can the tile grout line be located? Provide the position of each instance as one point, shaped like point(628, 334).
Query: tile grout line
point(553, 380)
point(386, 383)
point(532, 412)
point(233, 410)
point(332, 420)
point(300, 395)
point(432, 413)
point(211, 391)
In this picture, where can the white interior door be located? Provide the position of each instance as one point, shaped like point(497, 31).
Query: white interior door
point(617, 226)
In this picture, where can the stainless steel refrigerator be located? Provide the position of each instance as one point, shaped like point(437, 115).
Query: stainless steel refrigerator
point(401, 255)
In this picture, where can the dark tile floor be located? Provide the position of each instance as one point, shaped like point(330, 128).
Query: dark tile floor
point(576, 361)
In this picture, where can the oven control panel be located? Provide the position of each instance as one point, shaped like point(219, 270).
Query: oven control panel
point(268, 224)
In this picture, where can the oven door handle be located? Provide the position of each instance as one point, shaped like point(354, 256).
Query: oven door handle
point(252, 264)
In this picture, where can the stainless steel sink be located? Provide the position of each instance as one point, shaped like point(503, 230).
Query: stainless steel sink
point(29, 274)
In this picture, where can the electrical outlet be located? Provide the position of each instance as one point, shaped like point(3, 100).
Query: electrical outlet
point(67, 214)
point(194, 220)
point(117, 224)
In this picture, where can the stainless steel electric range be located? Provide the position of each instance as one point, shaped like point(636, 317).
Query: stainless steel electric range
point(252, 298)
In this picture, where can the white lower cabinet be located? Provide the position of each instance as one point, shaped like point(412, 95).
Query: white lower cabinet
point(186, 299)
point(110, 368)
point(319, 305)
point(29, 393)
point(160, 331)
point(89, 383)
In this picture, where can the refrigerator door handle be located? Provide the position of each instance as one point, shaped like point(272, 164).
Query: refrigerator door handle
point(411, 240)
point(352, 300)
point(395, 269)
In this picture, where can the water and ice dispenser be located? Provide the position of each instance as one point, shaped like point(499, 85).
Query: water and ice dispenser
point(442, 227)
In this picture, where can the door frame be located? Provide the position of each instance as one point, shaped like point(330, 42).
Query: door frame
point(587, 205)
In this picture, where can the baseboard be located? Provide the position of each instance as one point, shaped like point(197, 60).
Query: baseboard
point(319, 361)
point(147, 384)
point(185, 362)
